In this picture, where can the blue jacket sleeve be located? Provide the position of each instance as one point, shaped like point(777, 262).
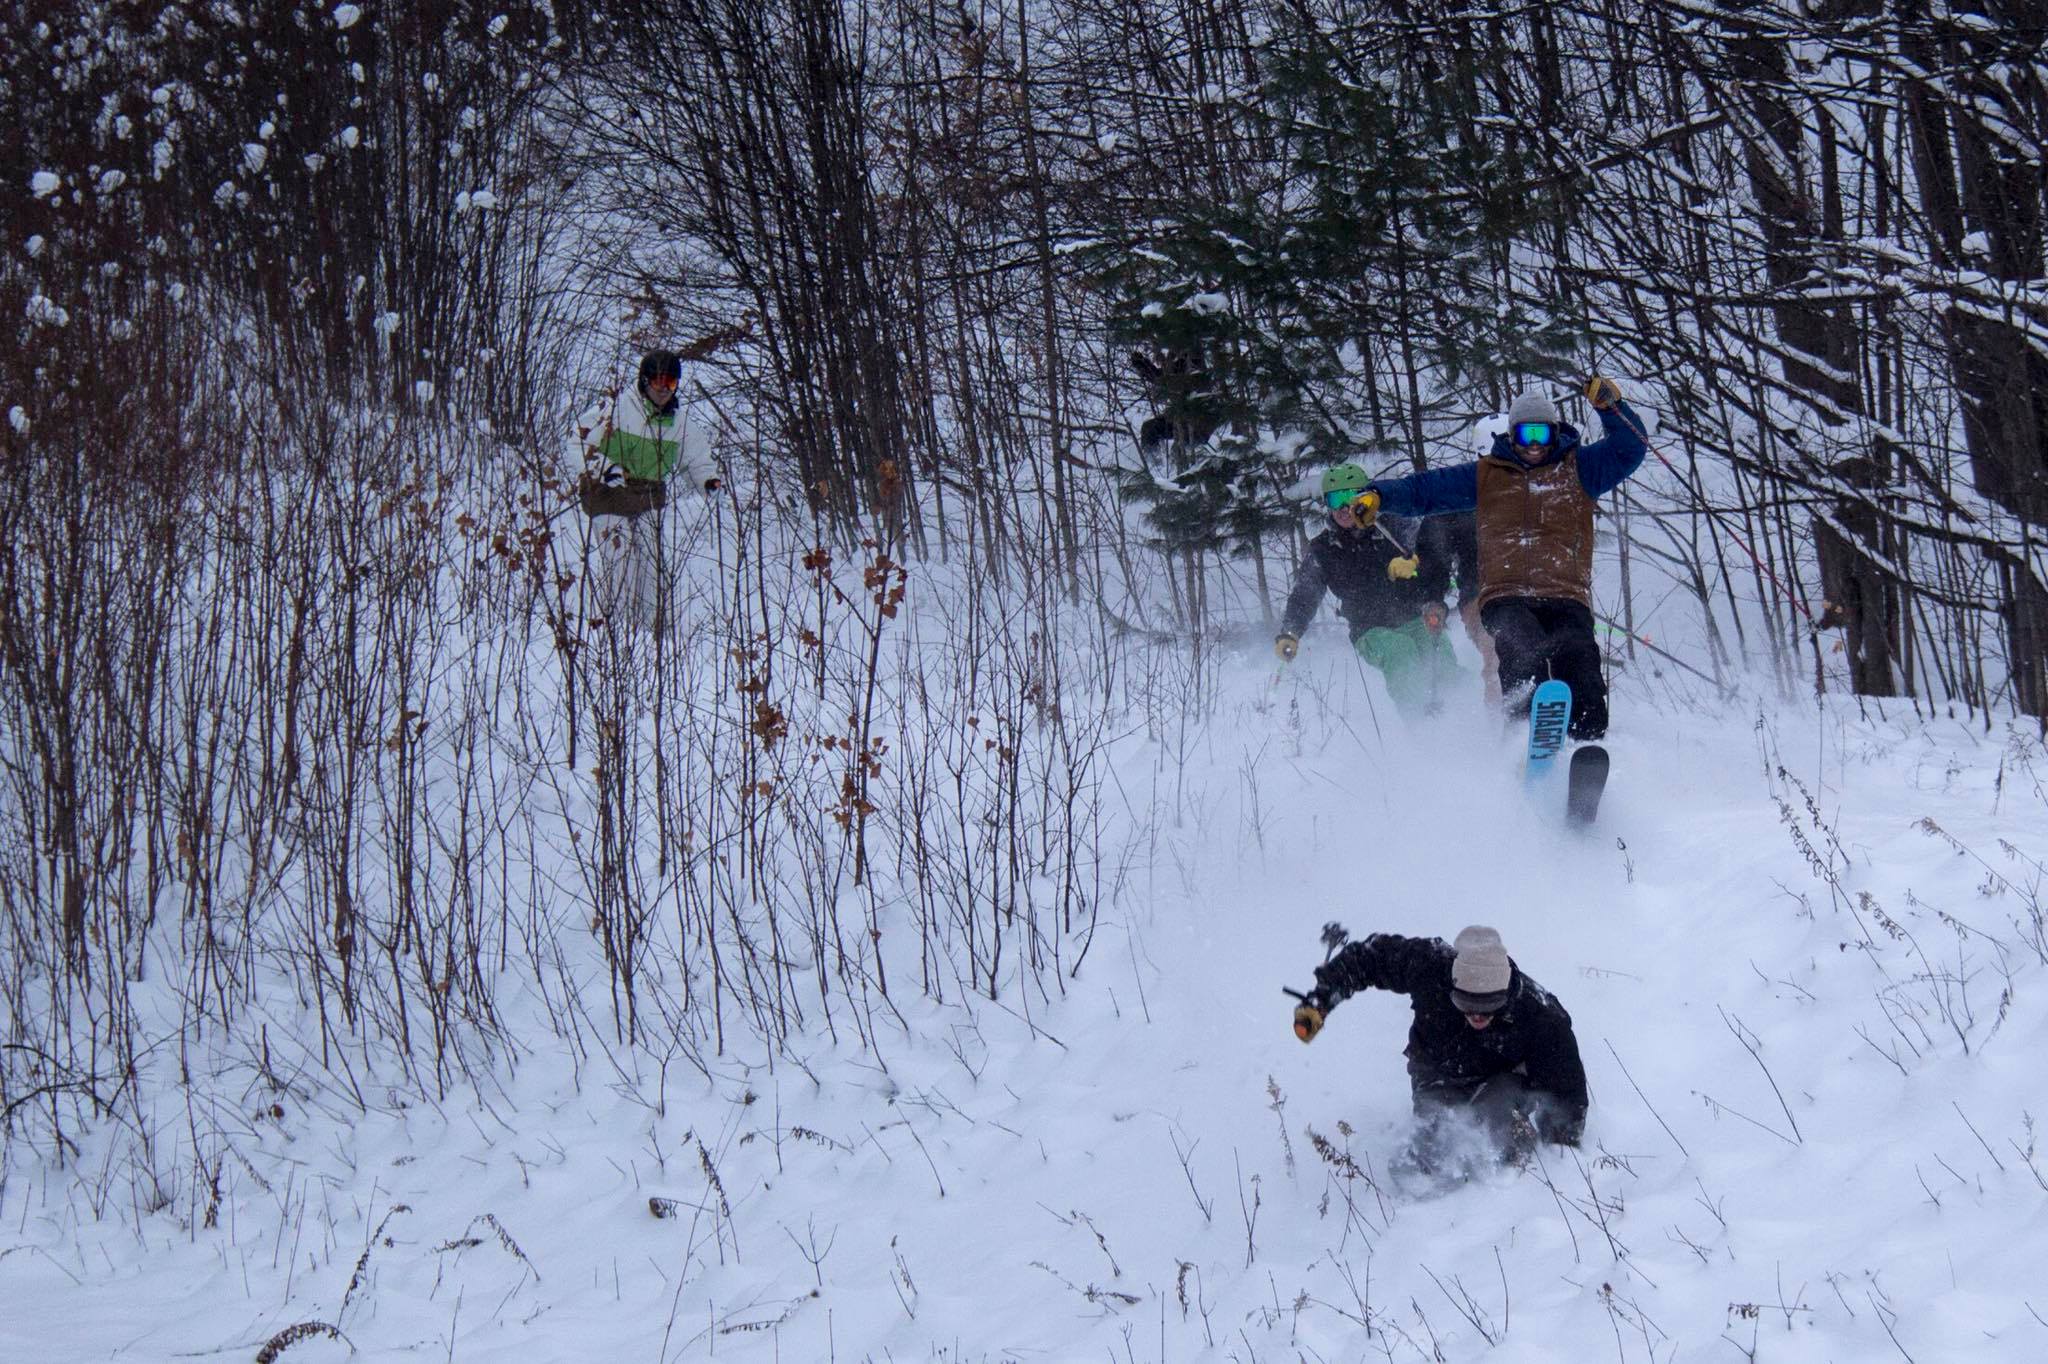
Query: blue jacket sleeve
point(1433, 492)
point(1607, 462)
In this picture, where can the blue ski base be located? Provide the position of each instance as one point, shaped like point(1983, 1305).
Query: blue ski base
point(1550, 716)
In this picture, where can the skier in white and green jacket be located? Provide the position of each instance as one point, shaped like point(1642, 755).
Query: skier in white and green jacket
point(633, 445)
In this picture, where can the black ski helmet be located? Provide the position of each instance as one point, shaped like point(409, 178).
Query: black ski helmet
point(660, 364)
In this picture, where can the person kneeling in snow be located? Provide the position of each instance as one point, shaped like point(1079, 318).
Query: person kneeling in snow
point(1488, 1044)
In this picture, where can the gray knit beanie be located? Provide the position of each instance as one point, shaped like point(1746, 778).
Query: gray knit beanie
point(1532, 406)
point(1480, 973)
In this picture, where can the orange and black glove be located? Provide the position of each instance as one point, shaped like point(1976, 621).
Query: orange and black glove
point(1308, 1015)
point(1286, 647)
point(1602, 393)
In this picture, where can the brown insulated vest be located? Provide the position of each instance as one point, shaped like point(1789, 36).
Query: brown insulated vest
point(1535, 531)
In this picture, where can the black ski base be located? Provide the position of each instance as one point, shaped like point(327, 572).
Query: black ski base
point(1588, 781)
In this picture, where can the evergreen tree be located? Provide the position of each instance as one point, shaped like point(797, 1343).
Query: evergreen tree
point(1279, 327)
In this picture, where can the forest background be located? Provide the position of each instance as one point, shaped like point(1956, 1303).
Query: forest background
point(1067, 298)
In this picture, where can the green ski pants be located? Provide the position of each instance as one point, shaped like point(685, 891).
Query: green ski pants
point(1417, 662)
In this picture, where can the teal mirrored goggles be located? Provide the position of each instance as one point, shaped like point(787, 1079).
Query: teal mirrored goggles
point(1534, 433)
point(1342, 498)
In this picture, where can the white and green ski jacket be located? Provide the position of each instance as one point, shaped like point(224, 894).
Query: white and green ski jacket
point(648, 443)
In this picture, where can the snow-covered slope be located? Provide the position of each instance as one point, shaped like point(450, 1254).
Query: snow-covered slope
point(1803, 949)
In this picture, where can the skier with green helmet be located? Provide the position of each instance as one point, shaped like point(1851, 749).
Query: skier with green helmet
point(1389, 580)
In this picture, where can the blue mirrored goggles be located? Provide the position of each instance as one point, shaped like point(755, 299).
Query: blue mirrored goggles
point(1533, 433)
point(1342, 498)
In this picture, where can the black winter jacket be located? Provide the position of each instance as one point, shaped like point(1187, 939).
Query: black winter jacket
point(1461, 538)
point(1352, 565)
point(1448, 1058)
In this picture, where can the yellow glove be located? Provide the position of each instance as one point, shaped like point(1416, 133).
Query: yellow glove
point(1365, 508)
point(1285, 648)
point(1602, 393)
point(1308, 1021)
point(1400, 570)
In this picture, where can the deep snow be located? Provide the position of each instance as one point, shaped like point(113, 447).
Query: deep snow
point(1132, 1172)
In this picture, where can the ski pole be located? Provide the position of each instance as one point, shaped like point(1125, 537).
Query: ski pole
point(1673, 659)
point(1700, 502)
point(1390, 537)
point(1335, 936)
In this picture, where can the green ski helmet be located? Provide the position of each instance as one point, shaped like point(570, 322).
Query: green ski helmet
point(1342, 485)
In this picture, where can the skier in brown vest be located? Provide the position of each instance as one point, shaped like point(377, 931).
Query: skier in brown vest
point(1534, 494)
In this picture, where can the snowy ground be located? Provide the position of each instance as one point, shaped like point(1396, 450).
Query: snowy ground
point(1812, 1027)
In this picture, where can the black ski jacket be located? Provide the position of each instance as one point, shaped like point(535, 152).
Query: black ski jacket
point(1352, 565)
point(1448, 1058)
point(1461, 538)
